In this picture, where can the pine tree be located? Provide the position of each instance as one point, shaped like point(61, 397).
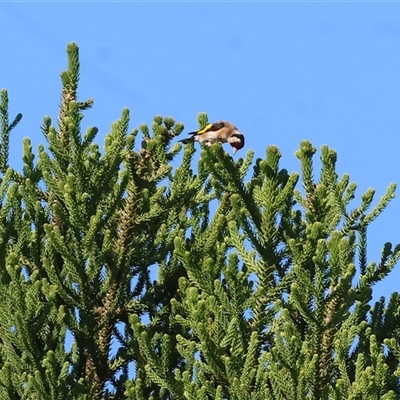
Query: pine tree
point(264, 282)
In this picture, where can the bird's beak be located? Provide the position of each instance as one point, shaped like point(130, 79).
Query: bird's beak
point(234, 150)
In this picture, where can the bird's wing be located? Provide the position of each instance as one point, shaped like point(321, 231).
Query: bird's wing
point(216, 126)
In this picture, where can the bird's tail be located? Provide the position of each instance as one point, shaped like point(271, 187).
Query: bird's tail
point(187, 140)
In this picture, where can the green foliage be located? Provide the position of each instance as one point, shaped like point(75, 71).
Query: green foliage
point(264, 281)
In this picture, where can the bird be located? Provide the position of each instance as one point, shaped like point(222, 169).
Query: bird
point(217, 132)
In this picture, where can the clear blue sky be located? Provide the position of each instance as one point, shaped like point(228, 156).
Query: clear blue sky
point(282, 72)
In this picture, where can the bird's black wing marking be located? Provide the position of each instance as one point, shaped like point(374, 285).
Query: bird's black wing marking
point(209, 128)
point(216, 126)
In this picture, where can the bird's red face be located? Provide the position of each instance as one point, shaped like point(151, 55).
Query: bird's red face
point(236, 141)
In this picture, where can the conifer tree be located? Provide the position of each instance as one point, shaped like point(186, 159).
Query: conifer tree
point(264, 282)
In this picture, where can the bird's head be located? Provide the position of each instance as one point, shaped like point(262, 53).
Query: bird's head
point(236, 140)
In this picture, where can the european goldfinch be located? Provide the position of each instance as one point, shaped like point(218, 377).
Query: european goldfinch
point(218, 132)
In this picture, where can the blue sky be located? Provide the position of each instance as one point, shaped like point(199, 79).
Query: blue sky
point(282, 72)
